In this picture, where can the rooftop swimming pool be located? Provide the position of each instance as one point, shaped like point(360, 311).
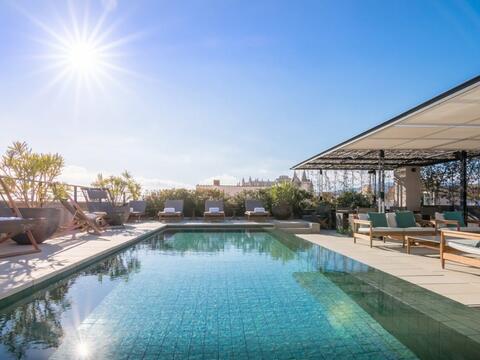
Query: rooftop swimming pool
point(239, 294)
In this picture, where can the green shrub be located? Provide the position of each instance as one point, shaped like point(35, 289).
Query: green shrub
point(288, 194)
point(352, 200)
point(194, 200)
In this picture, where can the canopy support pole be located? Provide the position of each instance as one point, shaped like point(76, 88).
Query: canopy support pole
point(381, 181)
point(462, 156)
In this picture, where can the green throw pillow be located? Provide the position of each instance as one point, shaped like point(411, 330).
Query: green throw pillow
point(378, 219)
point(454, 215)
point(405, 219)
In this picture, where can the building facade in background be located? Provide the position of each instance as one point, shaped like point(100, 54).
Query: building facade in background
point(257, 184)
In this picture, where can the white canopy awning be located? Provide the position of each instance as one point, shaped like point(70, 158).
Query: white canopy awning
point(430, 133)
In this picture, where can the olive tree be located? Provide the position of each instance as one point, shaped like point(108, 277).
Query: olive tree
point(29, 174)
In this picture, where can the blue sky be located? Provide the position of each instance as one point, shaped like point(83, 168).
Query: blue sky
point(224, 89)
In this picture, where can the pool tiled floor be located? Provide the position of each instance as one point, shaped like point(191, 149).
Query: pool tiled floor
point(222, 300)
point(457, 282)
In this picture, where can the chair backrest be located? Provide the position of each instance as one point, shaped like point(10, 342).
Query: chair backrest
point(100, 207)
point(97, 195)
point(176, 204)
point(214, 203)
point(251, 204)
point(138, 205)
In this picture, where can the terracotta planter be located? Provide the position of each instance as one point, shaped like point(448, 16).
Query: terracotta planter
point(282, 211)
point(42, 231)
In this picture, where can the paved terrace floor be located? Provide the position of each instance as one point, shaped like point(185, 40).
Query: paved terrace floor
point(457, 282)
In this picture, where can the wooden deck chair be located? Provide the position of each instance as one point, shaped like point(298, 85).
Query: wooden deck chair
point(81, 221)
point(100, 201)
point(22, 226)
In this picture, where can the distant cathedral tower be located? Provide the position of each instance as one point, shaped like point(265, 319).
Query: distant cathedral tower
point(304, 183)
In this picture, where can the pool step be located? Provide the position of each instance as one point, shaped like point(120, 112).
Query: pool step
point(297, 226)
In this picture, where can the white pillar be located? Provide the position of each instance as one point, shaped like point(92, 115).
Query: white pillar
point(409, 187)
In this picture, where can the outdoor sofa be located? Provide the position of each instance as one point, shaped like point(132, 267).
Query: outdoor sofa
point(397, 225)
point(454, 220)
point(254, 209)
point(214, 210)
point(173, 210)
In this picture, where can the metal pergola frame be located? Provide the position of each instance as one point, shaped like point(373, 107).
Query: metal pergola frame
point(450, 122)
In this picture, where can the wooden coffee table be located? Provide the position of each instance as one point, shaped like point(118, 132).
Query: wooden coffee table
point(430, 242)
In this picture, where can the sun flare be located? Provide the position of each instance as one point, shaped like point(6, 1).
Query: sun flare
point(82, 53)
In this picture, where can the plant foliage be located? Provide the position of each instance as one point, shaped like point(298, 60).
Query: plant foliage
point(122, 188)
point(29, 174)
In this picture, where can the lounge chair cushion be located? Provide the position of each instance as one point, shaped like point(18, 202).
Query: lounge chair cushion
point(405, 219)
point(391, 219)
point(378, 219)
point(172, 214)
point(454, 215)
point(169, 210)
point(439, 216)
point(259, 210)
point(468, 246)
point(214, 210)
point(381, 229)
point(363, 216)
point(417, 229)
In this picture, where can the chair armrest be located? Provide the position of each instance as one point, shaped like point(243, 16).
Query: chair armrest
point(473, 221)
point(447, 222)
point(461, 235)
point(357, 222)
point(363, 222)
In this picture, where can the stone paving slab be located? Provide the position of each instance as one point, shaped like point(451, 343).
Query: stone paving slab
point(457, 282)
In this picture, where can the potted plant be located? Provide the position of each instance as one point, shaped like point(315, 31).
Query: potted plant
point(28, 176)
point(122, 189)
point(283, 196)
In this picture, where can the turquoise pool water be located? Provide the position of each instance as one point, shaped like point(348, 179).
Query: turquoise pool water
point(212, 295)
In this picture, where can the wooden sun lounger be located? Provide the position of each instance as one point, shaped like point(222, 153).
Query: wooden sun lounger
point(250, 212)
point(460, 248)
point(176, 215)
point(214, 216)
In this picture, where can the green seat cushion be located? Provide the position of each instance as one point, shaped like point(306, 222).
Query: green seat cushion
point(405, 219)
point(378, 219)
point(454, 215)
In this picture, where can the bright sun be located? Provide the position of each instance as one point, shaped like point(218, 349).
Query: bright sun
point(83, 56)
